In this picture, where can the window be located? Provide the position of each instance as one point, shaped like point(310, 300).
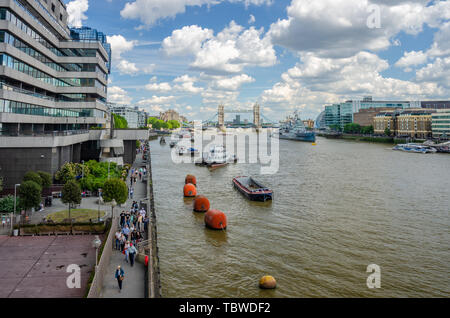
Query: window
point(53, 7)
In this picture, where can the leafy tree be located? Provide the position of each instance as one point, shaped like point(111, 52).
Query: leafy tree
point(46, 178)
point(174, 123)
point(30, 194)
point(352, 128)
point(71, 195)
point(7, 204)
point(33, 176)
point(335, 127)
point(115, 189)
point(367, 130)
point(387, 132)
point(120, 122)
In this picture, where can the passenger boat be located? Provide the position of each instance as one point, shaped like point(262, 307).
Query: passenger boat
point(173, 144)
point(252, 189)
point(414, 148)
point(217, 154)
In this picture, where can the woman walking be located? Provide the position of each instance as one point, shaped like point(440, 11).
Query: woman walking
point(120, 274)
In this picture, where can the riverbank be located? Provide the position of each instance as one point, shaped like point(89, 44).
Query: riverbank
point(377, 139)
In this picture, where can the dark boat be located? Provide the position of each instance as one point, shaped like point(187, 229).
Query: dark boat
point(252, 189)
point(214, 166)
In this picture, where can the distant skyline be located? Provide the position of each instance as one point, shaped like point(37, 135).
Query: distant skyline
point(192, 55)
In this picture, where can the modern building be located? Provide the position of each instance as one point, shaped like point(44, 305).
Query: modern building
point(53, 88)
point(320, 121)
point(440, 124)
point(344, 113)
point(131, 114)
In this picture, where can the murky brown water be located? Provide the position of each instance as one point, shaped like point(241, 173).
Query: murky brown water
point(338, 207)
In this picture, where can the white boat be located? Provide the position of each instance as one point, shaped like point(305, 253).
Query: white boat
point(218, 154)
point(414, 148)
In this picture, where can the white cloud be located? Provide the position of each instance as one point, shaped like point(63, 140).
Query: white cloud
point(232, 83)
point(120, 45)
point(158, 87)
point(252, 19)
point(150, 12)
point(412, 58)
point(126, 67)
point(157, 100)
point(118, 95)
point(75, 11)
point(185, 41)
point(230, 51)
point(338, 28)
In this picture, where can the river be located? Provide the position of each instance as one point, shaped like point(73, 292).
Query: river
point(338, 207)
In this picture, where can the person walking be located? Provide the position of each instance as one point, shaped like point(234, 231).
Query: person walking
point(132, 253)
point(120, 275)
point(127, 251)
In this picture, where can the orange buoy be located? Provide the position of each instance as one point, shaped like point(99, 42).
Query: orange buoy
point(216, 220)
point(201, 204)
point(190, 190)
point(190, 179)
point(267, 282)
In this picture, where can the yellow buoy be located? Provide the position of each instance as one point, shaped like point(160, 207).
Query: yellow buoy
point(267, 282)
point(314, 144)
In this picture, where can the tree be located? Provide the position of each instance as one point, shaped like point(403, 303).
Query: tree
point(120, 122)
point(335, 127)
point(174, 123)
point(352, 128)
point(115, 189)
point(71, 195)
point(30, 194)
point(46, 178)
point(367, 130)
point(33, 176)
point(387, 132)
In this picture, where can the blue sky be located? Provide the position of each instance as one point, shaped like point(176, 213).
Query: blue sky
point(191, 55)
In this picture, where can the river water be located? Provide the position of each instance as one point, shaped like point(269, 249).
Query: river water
point(338, 207)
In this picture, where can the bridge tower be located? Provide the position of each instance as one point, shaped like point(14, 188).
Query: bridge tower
point(256, 116)
point(221, 116)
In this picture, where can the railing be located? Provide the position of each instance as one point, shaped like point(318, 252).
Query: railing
point(45, 133)
point(102, 268)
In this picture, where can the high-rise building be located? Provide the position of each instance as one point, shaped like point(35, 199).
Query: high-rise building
point(440, 124)
point(53, 89)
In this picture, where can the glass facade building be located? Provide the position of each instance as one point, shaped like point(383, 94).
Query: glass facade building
point(49, 72)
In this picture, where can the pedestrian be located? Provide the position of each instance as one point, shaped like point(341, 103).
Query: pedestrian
point(120, 275)
point(126, 250)
point(132, 253)
point(117, 245)
point(131, 193)
point(126, 231)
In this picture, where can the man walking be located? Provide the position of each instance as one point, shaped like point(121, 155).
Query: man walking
point(132, 253)
point(120, 274)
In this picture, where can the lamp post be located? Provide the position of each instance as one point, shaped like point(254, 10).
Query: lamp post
point(82, 169)
point(113, 204)
point(96, 244)
point(15, 204)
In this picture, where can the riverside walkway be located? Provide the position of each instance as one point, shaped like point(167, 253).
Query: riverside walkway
point(133, 284)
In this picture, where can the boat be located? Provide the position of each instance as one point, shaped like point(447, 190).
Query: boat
point(252, 189)
point(162, 141)
point(416, 148)
point(217, 165)
point(182, 150)
point(217, 154)
point(442, 147)
point(294, 129)
point(192, 151)
point(173, 143)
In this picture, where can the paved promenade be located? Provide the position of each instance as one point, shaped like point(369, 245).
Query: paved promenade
point(133, 284)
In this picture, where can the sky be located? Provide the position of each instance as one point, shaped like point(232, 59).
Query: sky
point(285, 55)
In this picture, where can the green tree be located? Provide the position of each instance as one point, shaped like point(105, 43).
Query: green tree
point(174, 123)
point(71, 195)
point(387, 132)
point(352, 128)
point(115, 189)
point(7, 204)
point(46, 178)
point(367, 130)
point(335, 127)
point(33, 176)
point(30, 194)
point(120, 122)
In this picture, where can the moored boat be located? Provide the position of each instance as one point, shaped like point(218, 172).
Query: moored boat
point(252, 189)
point(414, 148)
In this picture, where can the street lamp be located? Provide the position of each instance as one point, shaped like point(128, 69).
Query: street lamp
point(82, 169)
point(96, 244)
point(113, 204)
point(15, 200)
